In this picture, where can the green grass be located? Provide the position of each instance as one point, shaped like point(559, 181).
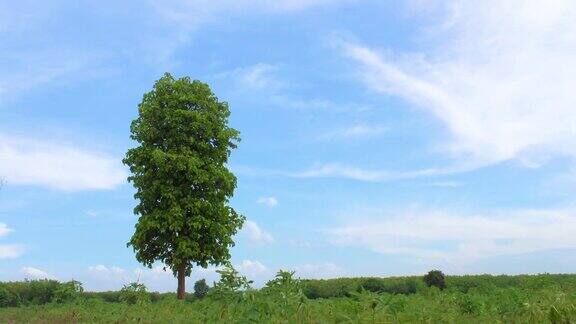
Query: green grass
point(467, 299)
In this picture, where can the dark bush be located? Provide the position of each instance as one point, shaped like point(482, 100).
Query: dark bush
point(201, 289)
point(435, 278)
point(404, 288)
point(8, 298)
point(390, 285)
point(373, 285)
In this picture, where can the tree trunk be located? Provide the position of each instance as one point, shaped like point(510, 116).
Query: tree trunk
point(181, 283)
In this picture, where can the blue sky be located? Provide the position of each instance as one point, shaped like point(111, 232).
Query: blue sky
point(378, 138)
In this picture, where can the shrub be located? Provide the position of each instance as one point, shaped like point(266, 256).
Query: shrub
point(68, 291)
point(285, 285)
point(34, 292)
point(373, 285)
point(201, 289)
point(435, 278)
point(406, 287)
point(231, 283)
point(134, 293)
point(8, 298)
point(391, 286)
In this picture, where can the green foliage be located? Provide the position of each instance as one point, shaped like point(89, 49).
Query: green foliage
point(231, 284)
point(345, 287)
point(435, 278)
point(379, 285)
point(8, 298)
point(285, 286)
point(201, 289)
point(518, 299)
point(33, 292)
point(134, 293)
point(68, 291)
point(182, 182)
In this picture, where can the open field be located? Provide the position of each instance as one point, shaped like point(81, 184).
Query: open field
point(475, 299)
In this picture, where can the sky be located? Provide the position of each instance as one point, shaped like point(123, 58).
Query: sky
point(379, 138)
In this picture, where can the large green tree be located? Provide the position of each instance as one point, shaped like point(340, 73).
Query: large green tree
point(182, 181)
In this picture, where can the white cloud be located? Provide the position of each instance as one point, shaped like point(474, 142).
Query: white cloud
point(354, 132)
point(9, 251)
point(337, 170)
point(501, 78)
point(257, 76)
point(268, 201)
point(256, 235)
point(457, 237)
point(252, 269)
point(103, 272)
point(64, 167)
point(325, 270)
point(4, 230)
point(35, 273)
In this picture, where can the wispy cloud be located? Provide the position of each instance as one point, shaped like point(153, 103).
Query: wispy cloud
point(42, 163)
point(257, 77)
point(188, 16)
point(257, 235)
point(458, 237)
point(324, 270)
point(343, 171)
point(9, 251)
point(337, 170)
point(4, 230)
point(499, 78)
point(358, 131)
point(269, 201)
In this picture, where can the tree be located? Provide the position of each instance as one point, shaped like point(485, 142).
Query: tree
point(435, 278)
point(201, 289)
point(182, 182)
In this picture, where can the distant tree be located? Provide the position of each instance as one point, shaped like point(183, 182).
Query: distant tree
point(374, 285)
point(435, 278)
point(201, 288)
point(182, 182)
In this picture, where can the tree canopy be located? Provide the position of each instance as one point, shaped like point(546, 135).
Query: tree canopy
point(179, 170)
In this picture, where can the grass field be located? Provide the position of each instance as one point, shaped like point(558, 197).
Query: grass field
point(473, 299)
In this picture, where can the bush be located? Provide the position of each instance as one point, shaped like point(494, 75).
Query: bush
point(390, 285)
point(231, 283)
point(285, 285)
point(34, 292)
point(134, 293)
point(373, 285)
point(201, 289)
point(435, 278)
point(68, 291)
point(8, 298)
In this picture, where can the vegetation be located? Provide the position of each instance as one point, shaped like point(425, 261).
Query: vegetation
point(489, 299)
point(435, 278)
point(182, 182)
point(201, 289)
